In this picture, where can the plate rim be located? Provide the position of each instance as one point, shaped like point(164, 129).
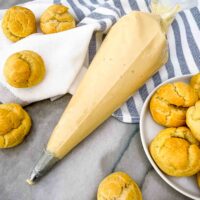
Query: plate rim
point(144, 144)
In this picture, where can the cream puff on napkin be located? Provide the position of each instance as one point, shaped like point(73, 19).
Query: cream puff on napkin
point(65, 53)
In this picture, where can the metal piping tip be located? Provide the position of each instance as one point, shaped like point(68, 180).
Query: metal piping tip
point(44, 164)
point(29, 181)
point(33, 178)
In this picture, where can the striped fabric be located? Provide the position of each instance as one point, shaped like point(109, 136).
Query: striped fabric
point(183, 39)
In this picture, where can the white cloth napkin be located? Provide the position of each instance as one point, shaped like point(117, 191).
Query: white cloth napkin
point(63, 60)
point(64, 54)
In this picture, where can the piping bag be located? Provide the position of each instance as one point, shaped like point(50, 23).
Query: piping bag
point(133, 50)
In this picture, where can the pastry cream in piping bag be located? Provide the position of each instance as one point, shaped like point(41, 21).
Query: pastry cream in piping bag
point(133, 50)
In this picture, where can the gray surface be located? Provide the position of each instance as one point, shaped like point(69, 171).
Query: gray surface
point(78, 175)
point(114, 146)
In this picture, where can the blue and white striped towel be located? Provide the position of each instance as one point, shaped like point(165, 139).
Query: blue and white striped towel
point(184, 58)
point(183, 39)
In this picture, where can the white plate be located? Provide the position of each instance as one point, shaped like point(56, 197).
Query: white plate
point(148, 130)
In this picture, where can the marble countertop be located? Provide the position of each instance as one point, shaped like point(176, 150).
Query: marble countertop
point(114, 146)
point(78, 175)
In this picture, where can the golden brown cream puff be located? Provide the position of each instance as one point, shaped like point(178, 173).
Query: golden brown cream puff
point(18, 22)
point(176, 152)
point(169, 104)
point(193, 120)
point(56, 18)
point(118, 186)
point(195, 83)
point(24, 69)
point(15, 124)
